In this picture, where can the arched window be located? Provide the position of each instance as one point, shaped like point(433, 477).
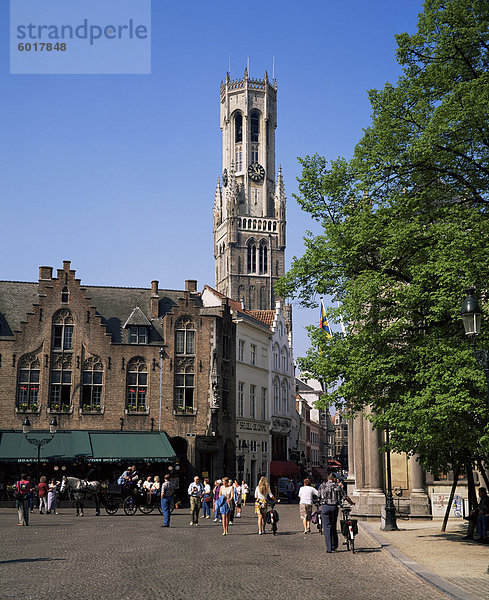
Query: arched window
point(184, 390)
point(284, 394)
point(62, 337)
point(241, 293)
point(28, 384)
point(92, 385)
point(276, 357)
point(251, 256)
point(254, 127)
point(184, 336)
point(263, 298)
point(276, 396)
point(263, 257)
point(238, 128)
point(137, 385)
point(252, 297)
point(284, 359)
point(60, 385)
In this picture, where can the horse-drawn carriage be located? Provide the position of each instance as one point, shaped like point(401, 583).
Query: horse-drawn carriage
point(111, 497)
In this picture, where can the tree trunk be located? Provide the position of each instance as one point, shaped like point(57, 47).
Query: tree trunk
point(483, 472)
point(456, 473)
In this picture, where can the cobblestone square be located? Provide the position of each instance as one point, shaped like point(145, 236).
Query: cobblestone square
point(63, 557)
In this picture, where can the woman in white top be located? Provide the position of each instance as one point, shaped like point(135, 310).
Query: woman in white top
point(306, 495)
point(227, 492)
point(262, 491)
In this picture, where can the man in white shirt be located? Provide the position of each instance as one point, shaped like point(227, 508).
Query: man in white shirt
point(306, 495)
point(195, 491)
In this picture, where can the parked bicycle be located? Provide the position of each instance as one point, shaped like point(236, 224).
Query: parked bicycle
point(271, 516)
point(349, 528)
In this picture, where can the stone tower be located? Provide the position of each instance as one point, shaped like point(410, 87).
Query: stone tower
point(249, 204)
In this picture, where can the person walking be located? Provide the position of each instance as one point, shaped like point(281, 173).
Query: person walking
point(237, 498)
point(167, 490)
point(22, 489)
point(42, 492)
point(306, 495)
point(195, 491)
point(52, 496)
point(245, 490)
point(225, 503)
point(331, 496)
point(206, 499)
point(262, 492)
point(217, 492)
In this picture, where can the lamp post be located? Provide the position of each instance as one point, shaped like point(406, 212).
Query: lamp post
point(390, 509)
point(471, 316)
point(39, 442)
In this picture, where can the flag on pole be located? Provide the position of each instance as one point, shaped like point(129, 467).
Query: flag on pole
point(323, 321)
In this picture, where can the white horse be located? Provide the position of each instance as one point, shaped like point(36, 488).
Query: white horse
point(81, 490)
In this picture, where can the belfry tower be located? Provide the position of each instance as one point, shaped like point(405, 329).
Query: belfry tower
point(249, 204)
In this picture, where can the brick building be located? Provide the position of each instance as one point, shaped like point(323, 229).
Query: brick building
point(114, 359)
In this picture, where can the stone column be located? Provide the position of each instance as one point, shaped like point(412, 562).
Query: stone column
point(420, 505)
point(375, 475)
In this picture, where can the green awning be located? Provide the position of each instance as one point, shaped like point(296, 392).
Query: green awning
point(131, 445)
point(65, 445)
point(97, 446)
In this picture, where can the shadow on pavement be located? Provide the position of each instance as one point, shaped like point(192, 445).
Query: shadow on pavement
point(29, 560)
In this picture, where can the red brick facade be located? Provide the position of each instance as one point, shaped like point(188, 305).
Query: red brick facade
point(92, 356)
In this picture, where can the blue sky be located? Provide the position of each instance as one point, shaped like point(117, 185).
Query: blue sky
point(117, 172)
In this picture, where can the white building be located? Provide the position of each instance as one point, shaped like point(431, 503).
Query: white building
point(253, 339)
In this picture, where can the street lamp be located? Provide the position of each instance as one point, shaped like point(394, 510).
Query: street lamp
point(471, 316)
point(39, 442)
point(390, 509)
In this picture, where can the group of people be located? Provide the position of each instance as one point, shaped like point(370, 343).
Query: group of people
point(24, 497)
point(330, 496)
point(224, 500)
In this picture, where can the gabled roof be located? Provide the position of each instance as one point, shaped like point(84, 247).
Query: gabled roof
point(137, 318)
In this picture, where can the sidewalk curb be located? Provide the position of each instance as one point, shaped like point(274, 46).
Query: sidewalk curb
point(451, 590)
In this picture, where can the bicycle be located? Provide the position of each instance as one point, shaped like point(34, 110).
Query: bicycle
point(271, 516)
point(317, 517)
point(349, 528)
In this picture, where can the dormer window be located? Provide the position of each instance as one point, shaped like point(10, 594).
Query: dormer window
point(138, 334)
point(138, 326)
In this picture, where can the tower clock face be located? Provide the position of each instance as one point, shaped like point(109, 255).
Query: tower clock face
point(225, 178)
point(256, 172)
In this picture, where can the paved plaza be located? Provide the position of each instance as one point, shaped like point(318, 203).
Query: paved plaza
point(63, 557)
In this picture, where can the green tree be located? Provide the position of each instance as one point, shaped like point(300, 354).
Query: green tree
point(404, 232)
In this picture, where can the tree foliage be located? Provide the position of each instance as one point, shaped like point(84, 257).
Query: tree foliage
point(405, 230)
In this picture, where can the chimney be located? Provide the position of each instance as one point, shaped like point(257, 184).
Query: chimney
point(45, 273)
point(154, 301)
point(190, 285)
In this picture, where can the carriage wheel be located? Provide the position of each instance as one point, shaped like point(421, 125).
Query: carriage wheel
point(130, 506)
point(146, 509)
point(172, 505)
point(111, 505)
point(159, 507)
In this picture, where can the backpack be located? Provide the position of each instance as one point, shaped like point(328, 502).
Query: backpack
point(23, 487)
point(329, 494)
